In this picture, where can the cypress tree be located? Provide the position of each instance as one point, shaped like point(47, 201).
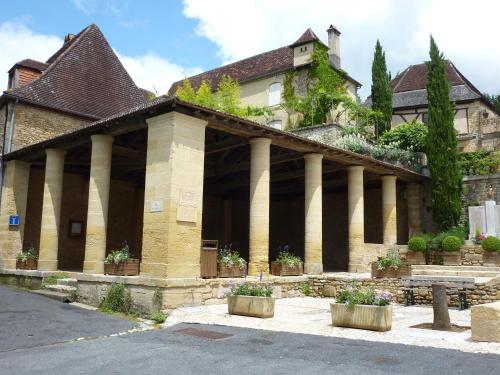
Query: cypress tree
point(381, 91)
point(442, 144)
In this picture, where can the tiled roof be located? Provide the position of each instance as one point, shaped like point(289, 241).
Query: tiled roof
point(31, 64)
point(308, 37)
point(85, 77)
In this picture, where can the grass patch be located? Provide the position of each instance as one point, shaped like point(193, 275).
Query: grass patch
point(52, 279)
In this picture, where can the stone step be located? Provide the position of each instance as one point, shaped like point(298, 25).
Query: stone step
point(430, 267)
point(58, 296)
point(60, 288)
point(68, 282)
point(455, 273)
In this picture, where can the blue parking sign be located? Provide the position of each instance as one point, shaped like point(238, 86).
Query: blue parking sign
point(14, 220)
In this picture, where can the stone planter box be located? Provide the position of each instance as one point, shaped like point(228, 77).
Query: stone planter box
point(390, 273)
point(235, 271)
point(415, 257)
point(128, 268)
point(279, 269)
point(452, 258)
point(491, 258)
point(258, 307)
point(374, 318)
point(29, 264)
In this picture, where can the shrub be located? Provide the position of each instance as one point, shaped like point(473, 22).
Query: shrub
point(159, 317)
point(451, 243)
point(417, 243)
point(118, 299)
point(255, 290)
point(477, 163)
point(491, 243)
point(305, 288)
point(409, 136)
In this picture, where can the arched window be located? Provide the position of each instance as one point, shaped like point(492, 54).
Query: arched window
point(274, 93)
point(277, 124)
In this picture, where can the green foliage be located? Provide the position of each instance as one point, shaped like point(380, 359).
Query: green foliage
point(381, 93)
point(255, 290)
point(491, 243)
point(230, 258)
point(408, 136)
point(451, 243)
point(478, 163)
point(417, 243)
point(159, 317)
point(52, 279)
point(118, 256)
point(495, 100)
point(355, 295)
point(288, 259)
point(118, 299)
point(29, 253)
point(305, 287)
point(186, 92)
point(442, 145)
point(392, 260)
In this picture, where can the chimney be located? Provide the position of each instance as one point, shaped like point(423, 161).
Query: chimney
point(68, 37)
point(334, 46)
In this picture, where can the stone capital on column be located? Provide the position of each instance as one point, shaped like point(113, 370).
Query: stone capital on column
point(356, 218)
point(389, 211)
point(313, 205)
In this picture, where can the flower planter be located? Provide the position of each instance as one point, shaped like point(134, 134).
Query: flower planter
point(375, 318)
point(128, 268)
point(452, 258)
point(491, 258)
point(280, 269)
point(389, 272)
point(258, 307)
point(234, 271)
point(29, 264)
point(415, 257)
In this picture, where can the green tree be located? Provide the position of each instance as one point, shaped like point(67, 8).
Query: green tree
point(442, 144)
point(186, 92)
point(205, 97)
point(381, 91)
point(228, 96)
point(495, 100)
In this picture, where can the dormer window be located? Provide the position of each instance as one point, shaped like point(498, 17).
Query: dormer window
point(274, 97)
point(303, 49)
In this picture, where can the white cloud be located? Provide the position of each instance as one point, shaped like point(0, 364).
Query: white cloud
point(149, 71)
point(465, 32)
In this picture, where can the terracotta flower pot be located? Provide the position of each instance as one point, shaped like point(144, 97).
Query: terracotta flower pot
point(258, 307)
point(280, 269)
point(29, 264)
point(375, 318)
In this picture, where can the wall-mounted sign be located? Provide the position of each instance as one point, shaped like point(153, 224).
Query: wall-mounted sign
point(14, 220)
point(75, 228)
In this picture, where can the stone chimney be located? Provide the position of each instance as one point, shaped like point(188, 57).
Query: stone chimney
point(334, 46)
point(68, 37)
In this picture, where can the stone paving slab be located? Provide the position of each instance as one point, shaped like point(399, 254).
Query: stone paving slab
point(312, 316)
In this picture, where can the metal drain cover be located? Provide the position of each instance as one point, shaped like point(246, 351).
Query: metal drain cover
point(203, 333)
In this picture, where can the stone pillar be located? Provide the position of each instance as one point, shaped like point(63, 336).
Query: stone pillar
point(14, 201)
point(356, 218)
point(51, 210)
point(313, 250)
point(173, 196)
point(389, 218)
point(97, 212)
point(260, 155)
point(414, 199)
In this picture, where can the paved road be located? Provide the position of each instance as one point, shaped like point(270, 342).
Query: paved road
point(229, 350)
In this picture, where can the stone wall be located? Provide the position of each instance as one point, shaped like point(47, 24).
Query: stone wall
point(472, 256)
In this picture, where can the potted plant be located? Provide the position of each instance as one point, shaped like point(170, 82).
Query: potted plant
point(251, 300)
point(355, 307)
point(230, 263)
point(119, 263)
point(417, 246)
point(287, 264)
point(491, 254)
point(390, 266)
point(27, 259)
point(451, 246)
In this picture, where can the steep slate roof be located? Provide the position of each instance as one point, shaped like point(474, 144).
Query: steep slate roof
point(83, 77)
point(30, 64)
point(258, 66)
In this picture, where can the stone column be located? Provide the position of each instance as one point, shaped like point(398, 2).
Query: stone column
point(97, 212)
point(356, 218)
point(414, 199)
point(14, 201)
point(173, 196)
point(51, 211)
point(260, 155)
point(313, 214)
point(389, 219)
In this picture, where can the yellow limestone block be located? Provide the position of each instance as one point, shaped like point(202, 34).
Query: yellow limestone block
point(389, 218)
point(313, 214)
point(356, 218)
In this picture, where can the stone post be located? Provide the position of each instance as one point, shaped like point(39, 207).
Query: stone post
point(414, 199)
point(173, 196)
point(356, 218)
point(14, 201)
point(51, 211)
point(389, 218)
point(313, 214)
point(97, 212)
point(260, 155)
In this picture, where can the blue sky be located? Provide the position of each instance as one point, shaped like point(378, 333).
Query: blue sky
point(162, 41)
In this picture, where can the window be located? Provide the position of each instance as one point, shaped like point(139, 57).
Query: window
point(276, 124)
point(303, 49)
point(274, 94)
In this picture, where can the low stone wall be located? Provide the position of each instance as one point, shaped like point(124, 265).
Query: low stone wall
point(472, 255)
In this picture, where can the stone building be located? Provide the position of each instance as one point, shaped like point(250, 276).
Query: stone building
point(85, 149)
point(476, 120)
point(261, 77)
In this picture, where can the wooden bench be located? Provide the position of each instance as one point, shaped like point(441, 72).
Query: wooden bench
point(460, 283)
